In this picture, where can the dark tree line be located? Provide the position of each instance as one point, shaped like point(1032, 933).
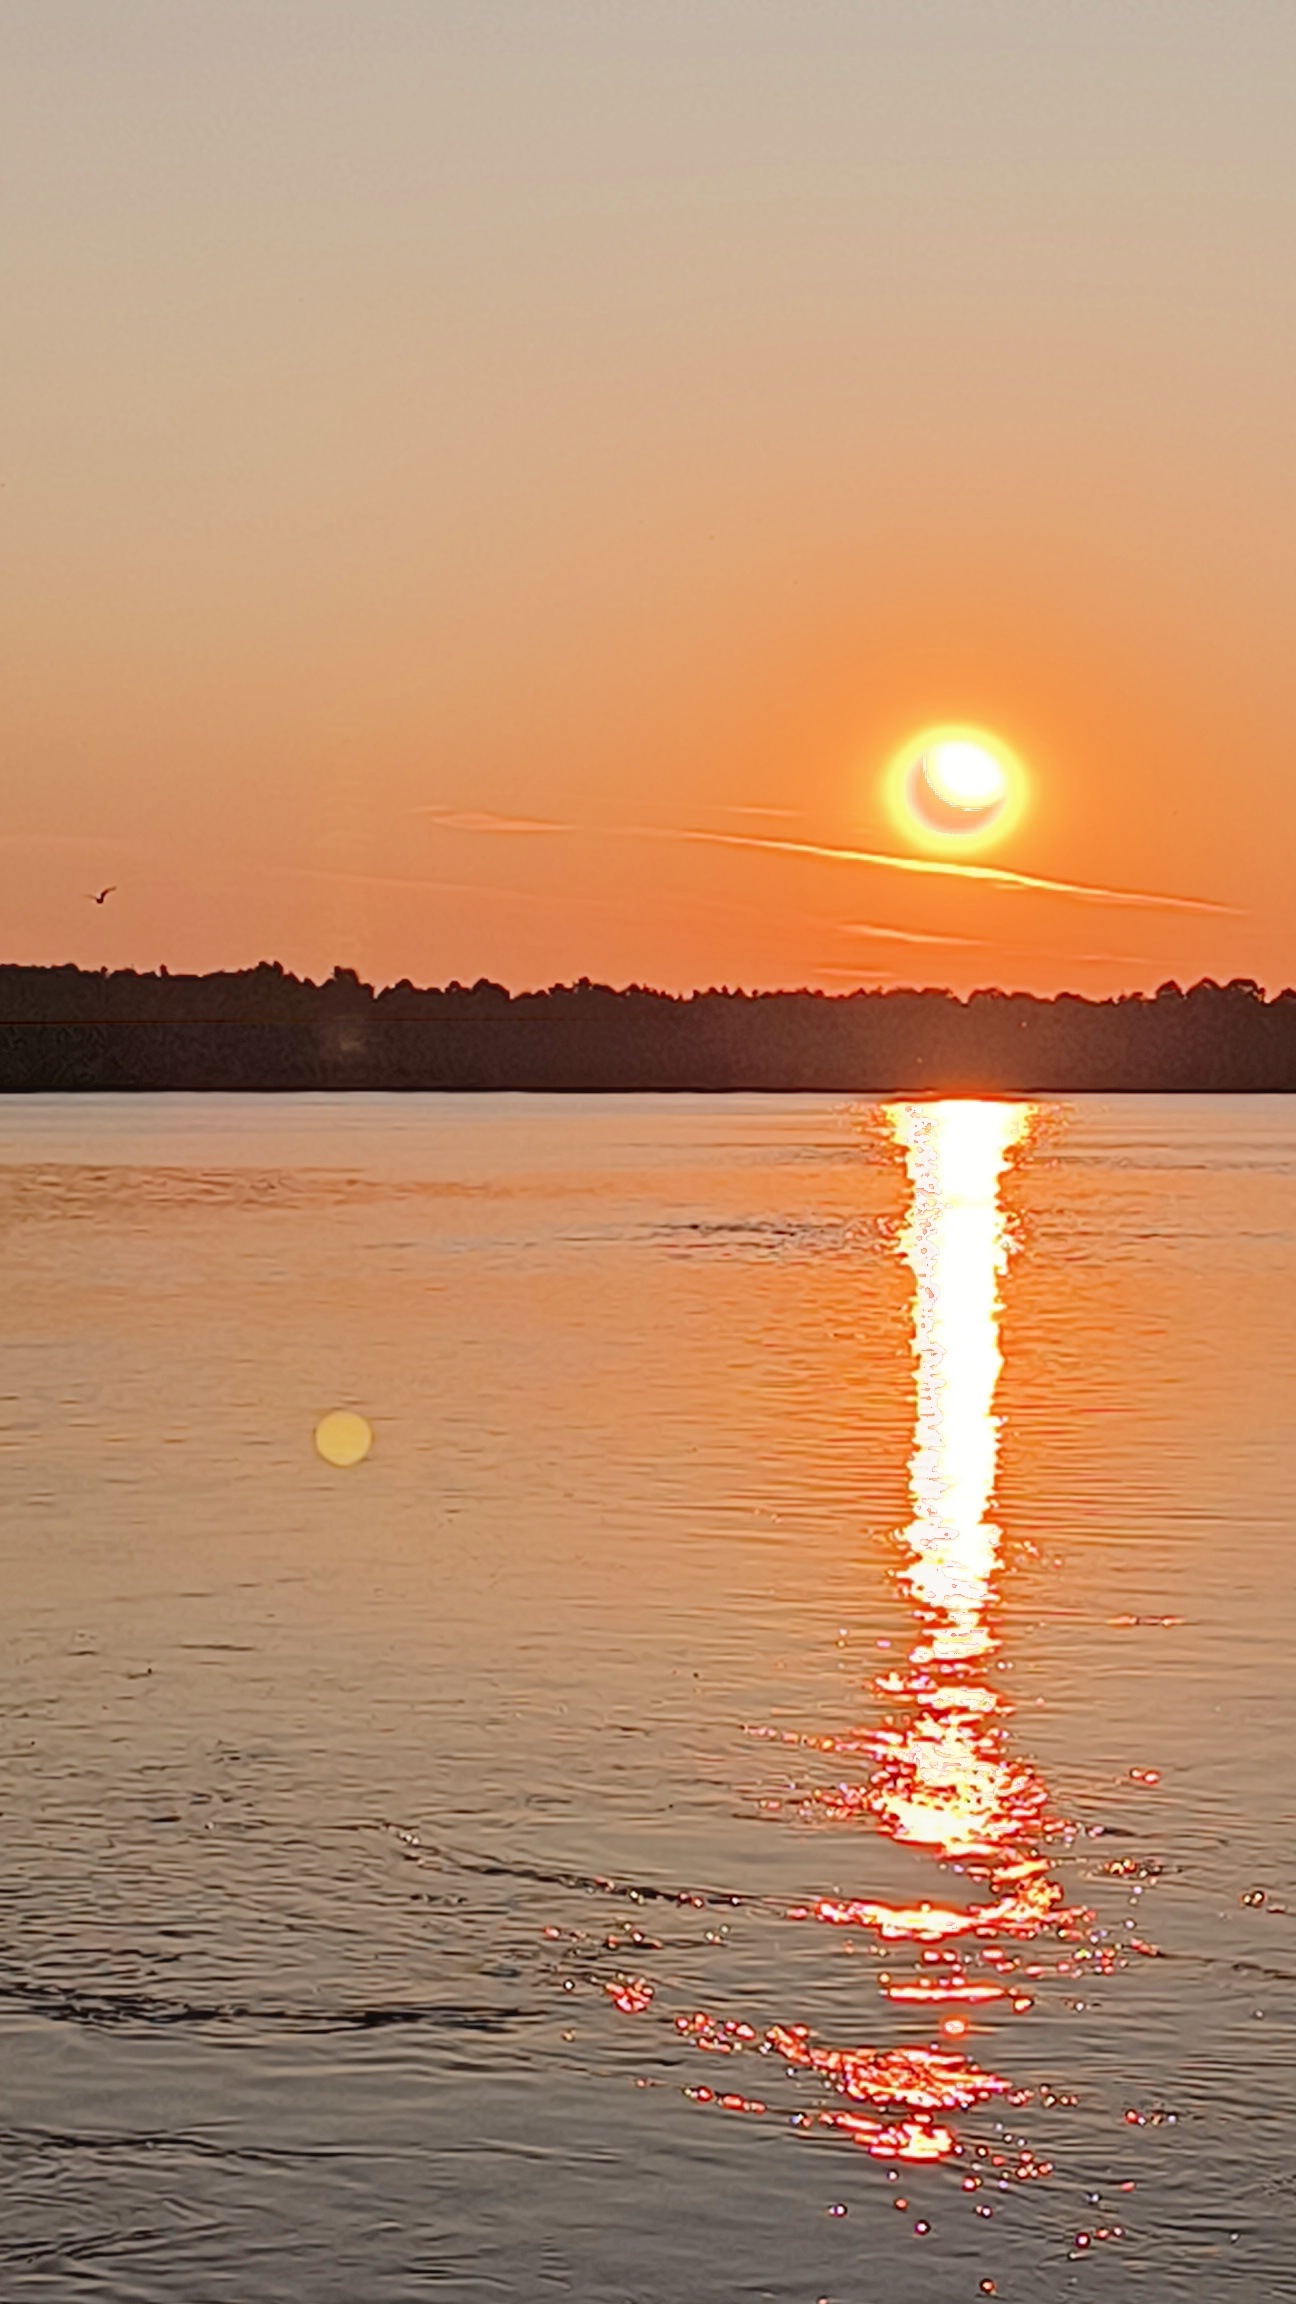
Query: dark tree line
point(261, 1028)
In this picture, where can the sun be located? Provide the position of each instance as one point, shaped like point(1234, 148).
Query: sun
point(965, 775)
point(955, 790)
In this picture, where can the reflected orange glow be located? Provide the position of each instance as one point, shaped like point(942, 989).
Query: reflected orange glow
point(905, 2087)
point(944, 1780)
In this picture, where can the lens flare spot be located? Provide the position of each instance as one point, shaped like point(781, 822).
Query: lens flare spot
point(343, 1438)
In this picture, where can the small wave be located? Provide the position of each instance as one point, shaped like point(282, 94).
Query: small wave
point(64, 2004)
point(582, 1883)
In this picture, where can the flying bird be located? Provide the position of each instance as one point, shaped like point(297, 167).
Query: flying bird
point(103, 896)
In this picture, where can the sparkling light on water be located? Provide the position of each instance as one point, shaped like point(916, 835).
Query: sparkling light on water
point(945, 1779)
point(942, 1777)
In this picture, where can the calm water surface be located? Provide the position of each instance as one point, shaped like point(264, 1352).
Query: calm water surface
point(775, 1780)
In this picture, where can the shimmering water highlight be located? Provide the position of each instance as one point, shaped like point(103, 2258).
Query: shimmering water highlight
point(773, 1774)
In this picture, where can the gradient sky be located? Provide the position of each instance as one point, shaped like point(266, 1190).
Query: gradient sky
point(430, 420)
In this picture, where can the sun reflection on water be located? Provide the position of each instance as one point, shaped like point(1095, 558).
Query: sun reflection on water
point(944, 1779)
point(935, 1771)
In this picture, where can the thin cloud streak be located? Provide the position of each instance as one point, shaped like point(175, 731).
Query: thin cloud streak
point(993, 944)
point(856, 975)
point(785, 815)
point(913, 935)
point(933, 867)
point(484, 820)
point(1103, 959)
point(890, 977)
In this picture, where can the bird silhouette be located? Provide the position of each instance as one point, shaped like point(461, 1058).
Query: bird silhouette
point(103, 896)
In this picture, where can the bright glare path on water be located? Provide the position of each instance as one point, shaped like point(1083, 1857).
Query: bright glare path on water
point(794, 1716)
point(944, 1779)
point(955, 1239)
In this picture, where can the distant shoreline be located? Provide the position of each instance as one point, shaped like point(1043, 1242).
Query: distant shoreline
point(262, 1030)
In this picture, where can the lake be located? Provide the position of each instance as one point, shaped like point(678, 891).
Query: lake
point(774, 1780)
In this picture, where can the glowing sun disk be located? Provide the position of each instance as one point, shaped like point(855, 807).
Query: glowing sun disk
point(953, 791)
point(965, 775)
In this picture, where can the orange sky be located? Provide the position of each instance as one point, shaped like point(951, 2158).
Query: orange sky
point(634, 420)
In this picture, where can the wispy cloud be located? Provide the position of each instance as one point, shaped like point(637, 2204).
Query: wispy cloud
point(994, 944)
point(484, 820)
point(852, 975)
point(871, 929)
point(932, 867)
point(781, 815)
point(1072, 959)
point(1102, 959)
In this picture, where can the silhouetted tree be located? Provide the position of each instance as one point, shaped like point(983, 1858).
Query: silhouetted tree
point(263, 1028)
